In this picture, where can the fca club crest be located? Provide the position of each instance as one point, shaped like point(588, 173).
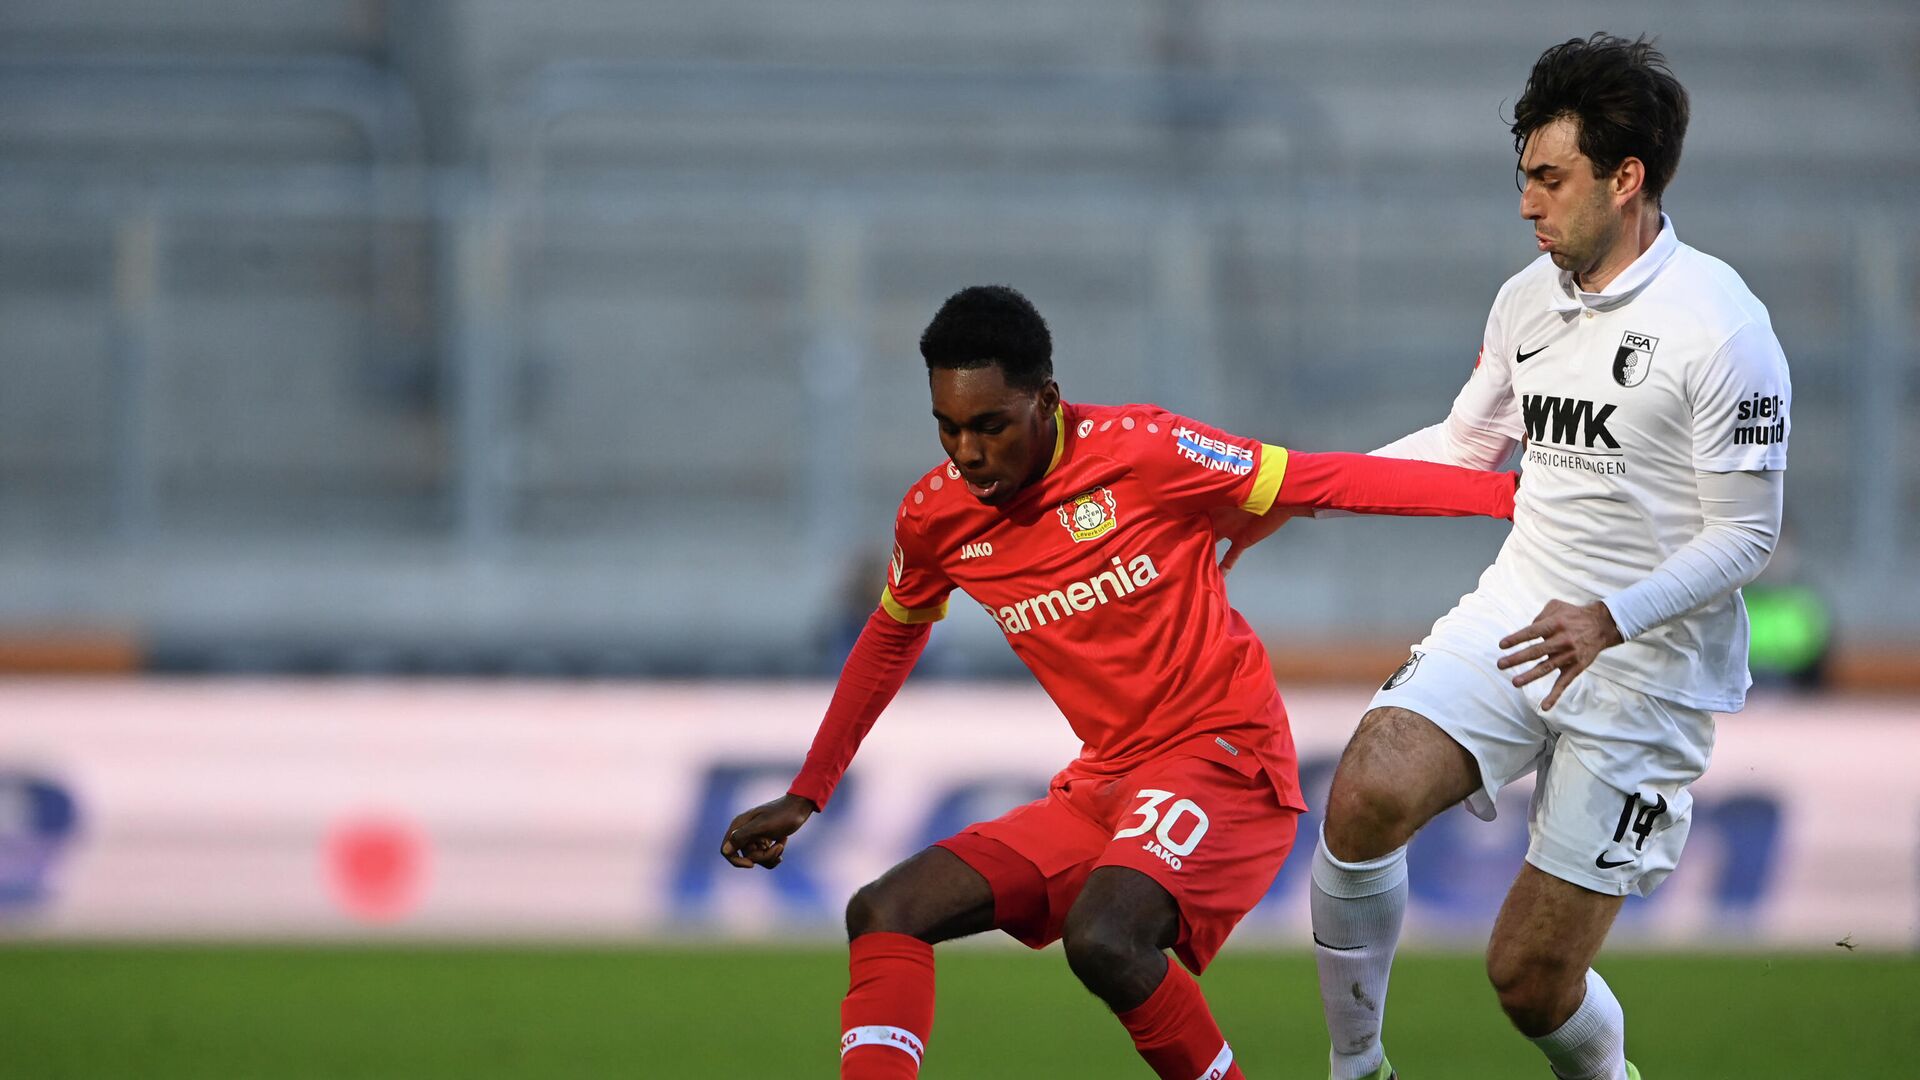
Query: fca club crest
point(1403, 672)
point(1089, 515)
point(1634, 359)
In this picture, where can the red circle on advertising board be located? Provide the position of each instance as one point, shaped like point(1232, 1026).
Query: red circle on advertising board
point(376, 867)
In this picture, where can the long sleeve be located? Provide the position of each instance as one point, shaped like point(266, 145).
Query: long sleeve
point(1364, 484)
point(1454, 441)
point(1741, 512)
point(875, 670)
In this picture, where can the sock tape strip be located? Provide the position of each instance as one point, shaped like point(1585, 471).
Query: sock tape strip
point(881, 1035)
point(1221, 1063)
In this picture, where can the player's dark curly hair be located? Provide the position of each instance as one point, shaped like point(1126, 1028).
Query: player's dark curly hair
point(991, 324)
point(1624, 96)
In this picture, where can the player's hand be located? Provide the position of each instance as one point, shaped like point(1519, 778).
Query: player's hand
point(758, 837)
point(1241, 530)
point(1569, 638)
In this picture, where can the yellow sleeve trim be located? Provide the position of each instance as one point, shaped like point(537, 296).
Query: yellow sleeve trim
point(910, 615)
point(1266, 482)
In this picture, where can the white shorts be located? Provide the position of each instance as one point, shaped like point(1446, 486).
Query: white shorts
point(1610, 807)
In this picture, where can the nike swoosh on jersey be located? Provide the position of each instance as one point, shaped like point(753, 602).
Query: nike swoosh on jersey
point(1600, 861)
point(1522, 357)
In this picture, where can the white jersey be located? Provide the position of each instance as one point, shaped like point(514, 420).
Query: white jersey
point(1618, 398)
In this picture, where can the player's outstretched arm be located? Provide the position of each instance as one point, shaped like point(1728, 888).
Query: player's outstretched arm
point(1457, 440)
point(1364, 484)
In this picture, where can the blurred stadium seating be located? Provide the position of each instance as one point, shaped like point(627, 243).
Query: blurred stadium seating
point(484, 336)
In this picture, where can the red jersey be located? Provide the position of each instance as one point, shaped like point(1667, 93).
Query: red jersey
point(1103, 576)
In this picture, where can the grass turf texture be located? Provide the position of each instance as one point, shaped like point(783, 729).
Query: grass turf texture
point(421, 1013)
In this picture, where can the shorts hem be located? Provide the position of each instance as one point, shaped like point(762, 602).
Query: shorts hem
point(1585, 878)
point(1005, 871)
point(1483, 801)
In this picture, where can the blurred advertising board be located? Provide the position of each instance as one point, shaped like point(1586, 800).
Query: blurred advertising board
point(493, 810)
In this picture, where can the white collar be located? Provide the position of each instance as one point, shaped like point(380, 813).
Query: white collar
point(1569, 297)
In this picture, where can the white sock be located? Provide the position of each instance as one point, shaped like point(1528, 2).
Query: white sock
point(1357, 910)
point(1592, 1044)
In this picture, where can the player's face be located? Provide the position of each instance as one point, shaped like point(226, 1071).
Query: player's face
point(999, 437)
point(1576, 216)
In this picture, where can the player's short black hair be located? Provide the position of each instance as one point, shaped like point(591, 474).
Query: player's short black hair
point(1624, 96)
point(991, 324)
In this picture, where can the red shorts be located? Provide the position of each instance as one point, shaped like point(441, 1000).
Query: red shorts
point(1210, 833)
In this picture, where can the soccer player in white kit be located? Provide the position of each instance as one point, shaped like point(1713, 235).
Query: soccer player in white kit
point(1643, 384)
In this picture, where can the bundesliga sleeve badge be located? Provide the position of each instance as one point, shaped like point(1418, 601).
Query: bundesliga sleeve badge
point(1089, 515)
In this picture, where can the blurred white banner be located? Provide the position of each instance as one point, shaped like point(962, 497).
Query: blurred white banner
point(530, 810)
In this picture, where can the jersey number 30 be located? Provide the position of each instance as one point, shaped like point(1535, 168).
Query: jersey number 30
point(1149, 814)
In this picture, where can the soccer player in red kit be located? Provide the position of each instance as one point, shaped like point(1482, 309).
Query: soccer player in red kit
point(1088, 534)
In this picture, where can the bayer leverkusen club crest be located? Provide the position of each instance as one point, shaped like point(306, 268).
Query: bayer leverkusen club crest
point(1090, 515)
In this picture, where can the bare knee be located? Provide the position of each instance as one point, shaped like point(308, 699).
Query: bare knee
point(889, 907)
point(1112, 957)
point(1114, 935)
point(1098, 951)
point(1544, 940)
point(933, 896)
point(1538, 989)
point(1397, 772)
point(872, 910)
point(1367, 818)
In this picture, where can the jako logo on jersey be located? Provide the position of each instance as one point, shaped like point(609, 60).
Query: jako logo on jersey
point(1211, 452)
point(1056, 604)
point(1090, 514)
point(1760, 407)
point(898, 565)
point(1634, 358)
point(976, 551)
point(1569, 418)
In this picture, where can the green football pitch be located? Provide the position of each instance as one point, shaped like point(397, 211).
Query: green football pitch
point(424, 1013)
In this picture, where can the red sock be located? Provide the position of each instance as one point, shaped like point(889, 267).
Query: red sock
point(888, 1013)
point(1175, 1032)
